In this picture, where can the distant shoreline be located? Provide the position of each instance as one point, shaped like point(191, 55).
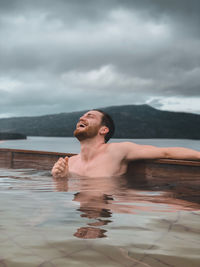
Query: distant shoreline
point(4, 136)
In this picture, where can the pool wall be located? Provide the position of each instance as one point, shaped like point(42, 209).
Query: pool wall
point(152, 170)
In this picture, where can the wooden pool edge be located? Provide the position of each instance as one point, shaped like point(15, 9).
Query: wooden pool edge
point(148, 169)
point(19, 159)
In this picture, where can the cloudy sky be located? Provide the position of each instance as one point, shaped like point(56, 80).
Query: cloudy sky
point(64, 55)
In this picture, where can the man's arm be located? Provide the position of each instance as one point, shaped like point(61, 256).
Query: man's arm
point(134, 152)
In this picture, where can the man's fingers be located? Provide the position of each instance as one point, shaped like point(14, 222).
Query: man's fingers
point(60, 168)
point(61, 162)
point(66, 159)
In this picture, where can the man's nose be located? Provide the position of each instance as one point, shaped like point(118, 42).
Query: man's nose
point(82, 118)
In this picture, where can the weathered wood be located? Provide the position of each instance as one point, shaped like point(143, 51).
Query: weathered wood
point(16, 158)
point(166, 171)
point(6, 158)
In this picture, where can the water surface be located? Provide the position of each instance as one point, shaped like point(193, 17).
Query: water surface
point(95, 222)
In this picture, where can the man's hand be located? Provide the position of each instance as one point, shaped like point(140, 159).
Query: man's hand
point(60, 168)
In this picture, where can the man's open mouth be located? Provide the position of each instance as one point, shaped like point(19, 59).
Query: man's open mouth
point(81, 125)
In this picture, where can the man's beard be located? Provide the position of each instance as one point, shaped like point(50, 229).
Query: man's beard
point(86, 133)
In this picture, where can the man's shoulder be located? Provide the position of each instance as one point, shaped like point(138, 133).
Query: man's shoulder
point(121, 147)
point(121, 144)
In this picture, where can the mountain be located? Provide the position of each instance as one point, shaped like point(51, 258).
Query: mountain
point(132, 121)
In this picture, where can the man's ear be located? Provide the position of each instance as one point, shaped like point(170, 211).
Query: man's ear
point(104, 130)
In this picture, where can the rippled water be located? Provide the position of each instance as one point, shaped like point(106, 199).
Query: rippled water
point(95, 222)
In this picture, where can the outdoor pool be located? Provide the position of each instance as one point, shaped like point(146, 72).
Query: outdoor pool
point(95, 222)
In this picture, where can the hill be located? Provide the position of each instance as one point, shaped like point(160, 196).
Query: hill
point(132, 121)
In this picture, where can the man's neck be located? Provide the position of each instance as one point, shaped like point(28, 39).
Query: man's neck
point(90, 148)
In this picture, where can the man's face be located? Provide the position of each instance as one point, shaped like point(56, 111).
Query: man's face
point(88, 125)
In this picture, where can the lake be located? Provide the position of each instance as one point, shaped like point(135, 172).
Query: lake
point(71, 145)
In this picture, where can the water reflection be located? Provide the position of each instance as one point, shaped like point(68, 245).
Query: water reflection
point(99, 198)
point(92, 206)
point(48, 222)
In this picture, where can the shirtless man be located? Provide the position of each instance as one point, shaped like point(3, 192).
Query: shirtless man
point(97, 158)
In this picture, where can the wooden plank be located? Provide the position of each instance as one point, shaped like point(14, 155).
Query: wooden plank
point(178, 162)
point(155, 173)
point(34, 151)
point(16, 158)
point(6, 159)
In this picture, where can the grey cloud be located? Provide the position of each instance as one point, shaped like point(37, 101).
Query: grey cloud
point(97, 10)
point(43, 40)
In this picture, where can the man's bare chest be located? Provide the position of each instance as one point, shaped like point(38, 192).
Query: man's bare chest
point(97, 167)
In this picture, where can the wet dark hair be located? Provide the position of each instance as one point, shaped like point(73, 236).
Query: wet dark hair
point(108, 122)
